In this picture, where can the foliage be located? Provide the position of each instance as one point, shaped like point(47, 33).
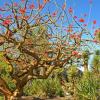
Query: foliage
point(73, 72)
point(5, 70)
point(96, 62)
point(88, 87)
point(48, 87)
point(1, 98)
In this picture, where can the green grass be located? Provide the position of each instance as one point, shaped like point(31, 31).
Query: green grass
point(1, 98)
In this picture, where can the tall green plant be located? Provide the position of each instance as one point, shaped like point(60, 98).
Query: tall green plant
point(96, 62)
point(87, 88)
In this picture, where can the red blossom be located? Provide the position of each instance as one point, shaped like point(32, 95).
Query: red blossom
point(75, 53)
point(22, 10)
point(94, 22)
point(6, 22)
point(81, 20)
point(45, 1)
point(31, 6)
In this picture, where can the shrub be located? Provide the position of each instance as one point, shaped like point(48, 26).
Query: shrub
point(40, 87)
point(87, 88)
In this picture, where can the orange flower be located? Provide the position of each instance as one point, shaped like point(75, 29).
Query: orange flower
point(22, 10)
point(45, 1)
point(81, 20)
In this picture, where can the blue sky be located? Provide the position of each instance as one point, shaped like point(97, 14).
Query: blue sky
point(81, 7)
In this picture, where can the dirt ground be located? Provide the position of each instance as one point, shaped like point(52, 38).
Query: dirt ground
point(54, 98)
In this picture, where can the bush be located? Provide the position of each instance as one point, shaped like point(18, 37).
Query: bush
point(44, 87)
point(87, 88)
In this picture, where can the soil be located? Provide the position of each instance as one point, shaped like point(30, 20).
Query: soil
point(54, 98)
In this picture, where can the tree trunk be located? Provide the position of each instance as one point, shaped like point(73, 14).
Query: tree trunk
point(16, 95)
